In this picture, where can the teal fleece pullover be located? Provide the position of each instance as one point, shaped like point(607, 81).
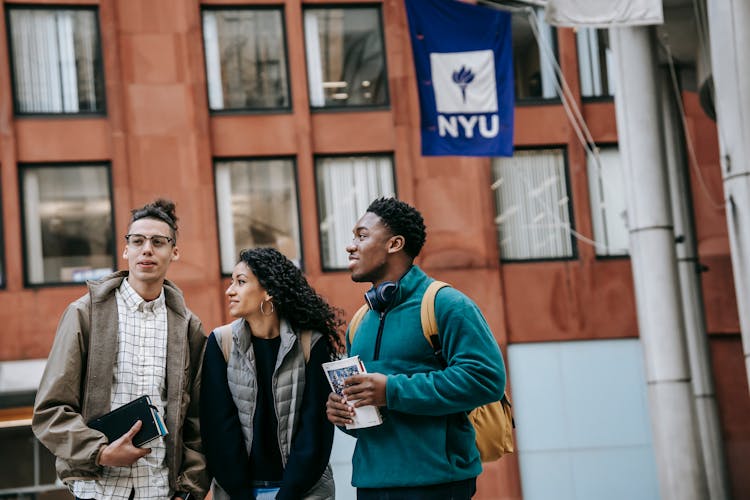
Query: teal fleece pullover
point(425, 437)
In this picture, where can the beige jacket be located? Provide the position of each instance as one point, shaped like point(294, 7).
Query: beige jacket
point(77, 385)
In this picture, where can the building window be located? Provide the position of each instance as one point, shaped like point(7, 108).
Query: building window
point(346, 187)
point(57, 62)
point(570, 396)
point(532, 205)
point(67, 217)
point(246, 65)
point(257, 206)
point(595, 62)
point(534, 50)
point(345, 57)
point(608, 204)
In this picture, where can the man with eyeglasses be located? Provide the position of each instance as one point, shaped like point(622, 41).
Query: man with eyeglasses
point(130, 335)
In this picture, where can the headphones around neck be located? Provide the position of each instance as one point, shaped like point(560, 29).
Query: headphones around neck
point(380, 297)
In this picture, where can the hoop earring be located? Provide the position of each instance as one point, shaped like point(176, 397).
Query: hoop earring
point(264, 313)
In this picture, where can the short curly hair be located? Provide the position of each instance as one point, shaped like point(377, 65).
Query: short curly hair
point(161, 209)
point(402, 219)
point(293, 297)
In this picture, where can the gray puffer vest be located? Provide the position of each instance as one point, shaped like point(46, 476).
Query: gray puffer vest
point(288, 382)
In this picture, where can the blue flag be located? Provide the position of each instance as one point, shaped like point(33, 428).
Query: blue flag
point(464, 62)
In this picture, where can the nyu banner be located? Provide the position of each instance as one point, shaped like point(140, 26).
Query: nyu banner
point(464, 64)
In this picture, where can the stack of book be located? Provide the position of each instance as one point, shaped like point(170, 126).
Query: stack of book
point(119, 421)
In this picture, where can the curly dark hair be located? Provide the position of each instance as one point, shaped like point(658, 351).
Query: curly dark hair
point(161, 209)
point(293, 297)
point(402, 219)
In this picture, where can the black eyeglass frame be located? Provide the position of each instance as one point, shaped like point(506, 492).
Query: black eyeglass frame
point(149, 238)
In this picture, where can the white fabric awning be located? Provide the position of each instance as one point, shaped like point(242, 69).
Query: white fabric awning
point(604, 13)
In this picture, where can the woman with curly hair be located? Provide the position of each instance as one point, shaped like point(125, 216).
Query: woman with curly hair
point(263, 394)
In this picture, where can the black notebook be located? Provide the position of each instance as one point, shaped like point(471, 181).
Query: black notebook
point(119, 421)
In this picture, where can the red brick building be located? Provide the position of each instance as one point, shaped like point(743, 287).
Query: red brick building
point(275, 123)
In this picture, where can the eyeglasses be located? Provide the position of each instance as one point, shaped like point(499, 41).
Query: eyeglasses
point(157, 241)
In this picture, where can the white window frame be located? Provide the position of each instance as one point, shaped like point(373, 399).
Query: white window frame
point(50, 84)
point(546, 47)
point(281, 181)
point(316, 85)
point(31, 187)
point(608, 202)
point(212, 51)
point(590, 64)
point(346, 186)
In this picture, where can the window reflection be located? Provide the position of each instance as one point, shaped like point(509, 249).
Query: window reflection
point(257, 207)
point(68, 223)
point(245, 59)
point(345, 59)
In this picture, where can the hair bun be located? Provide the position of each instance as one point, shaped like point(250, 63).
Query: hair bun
point(161, 208)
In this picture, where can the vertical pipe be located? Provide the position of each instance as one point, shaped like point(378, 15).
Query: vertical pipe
point(712, 445)
point(654, 262)
point(729, 25)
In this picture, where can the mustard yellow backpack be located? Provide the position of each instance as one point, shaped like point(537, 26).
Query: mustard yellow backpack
point(493, 423)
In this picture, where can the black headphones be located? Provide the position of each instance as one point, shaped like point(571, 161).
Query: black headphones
point(380, 297)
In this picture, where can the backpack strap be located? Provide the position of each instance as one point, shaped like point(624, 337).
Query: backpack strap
point(223, 335)
point(430, 327)
point(429, 320)
point(305, 340)
point(356, 320)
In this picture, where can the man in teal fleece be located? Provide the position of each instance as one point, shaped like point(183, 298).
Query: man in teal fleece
point(424, 449)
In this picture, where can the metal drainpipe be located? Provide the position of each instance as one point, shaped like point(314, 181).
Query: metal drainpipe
point(688, 266)
point(729, 24)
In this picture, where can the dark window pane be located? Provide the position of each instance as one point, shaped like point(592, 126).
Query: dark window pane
point(56, 60)
point(594, 62)
point(17, 458)
point(345, 59)
point(27, 468)
point(533, 53)
point(245, 59)
point(47, 471)
point(58, 494)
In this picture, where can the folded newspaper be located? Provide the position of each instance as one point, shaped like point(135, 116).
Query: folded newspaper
point(338, 371)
